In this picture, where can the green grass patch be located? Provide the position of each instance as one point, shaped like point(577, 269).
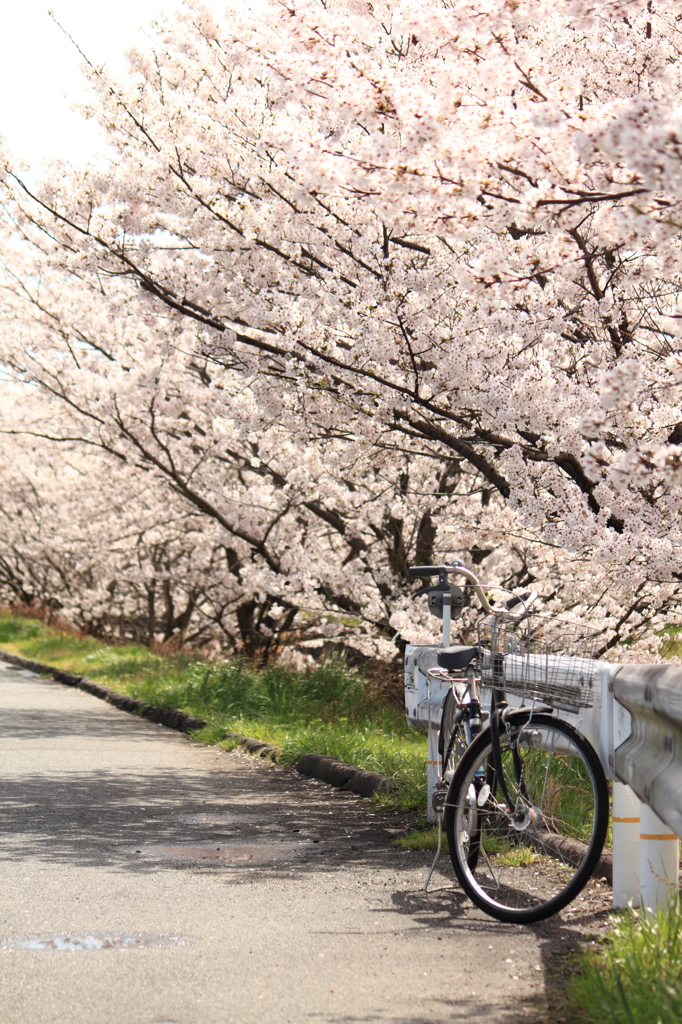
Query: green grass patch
point(422, 839)
point(635, 975)
point(330, 709)
point(83, 655)
point(510, 854)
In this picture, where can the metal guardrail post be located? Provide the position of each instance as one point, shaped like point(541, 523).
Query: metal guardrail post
point(626, 846)
point(615, 727)
point(423, 707)
point(659, 860)
point(434, 770)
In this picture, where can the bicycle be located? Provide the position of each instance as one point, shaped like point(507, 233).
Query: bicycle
point(521, 794)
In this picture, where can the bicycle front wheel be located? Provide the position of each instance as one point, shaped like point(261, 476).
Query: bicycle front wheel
point(525, 837)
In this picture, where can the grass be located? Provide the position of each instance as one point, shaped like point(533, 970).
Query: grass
point(635, 975)
point(330, 709)
point(510, 854)
point(422, 839)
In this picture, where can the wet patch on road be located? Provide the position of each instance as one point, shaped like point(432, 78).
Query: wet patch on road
point(77, 943)
point(226, 853)
point(217, 818)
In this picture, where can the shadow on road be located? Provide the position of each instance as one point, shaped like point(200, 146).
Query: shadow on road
point(143, 819)
point(52, 724)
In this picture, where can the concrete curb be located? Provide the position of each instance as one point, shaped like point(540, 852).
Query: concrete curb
point(316, 766)
point(342, 775)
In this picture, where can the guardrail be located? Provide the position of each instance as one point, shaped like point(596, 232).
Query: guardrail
point(635, 724)
point(649, 759)
point(644, 703)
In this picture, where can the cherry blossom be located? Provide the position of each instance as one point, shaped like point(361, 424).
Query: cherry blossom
point(372, 284)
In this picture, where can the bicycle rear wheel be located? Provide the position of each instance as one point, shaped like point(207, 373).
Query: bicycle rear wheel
point(524, 861)
point(454, 735)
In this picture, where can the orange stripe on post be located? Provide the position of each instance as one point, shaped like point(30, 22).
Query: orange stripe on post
point(668, 835)
point(626, 819)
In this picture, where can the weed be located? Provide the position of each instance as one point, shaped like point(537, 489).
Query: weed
point(635, 975)
point(421, 839)
point(518, 856)
point(508, 852)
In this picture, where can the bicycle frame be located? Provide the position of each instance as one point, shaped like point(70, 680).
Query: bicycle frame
point(498, 782)
point(469, 711)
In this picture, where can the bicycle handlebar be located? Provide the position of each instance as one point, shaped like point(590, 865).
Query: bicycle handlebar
point(459, 567)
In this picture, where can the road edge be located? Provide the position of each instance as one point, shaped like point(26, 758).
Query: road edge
point(316, 766)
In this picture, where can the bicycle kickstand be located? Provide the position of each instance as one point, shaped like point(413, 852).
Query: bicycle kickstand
point(439, 807)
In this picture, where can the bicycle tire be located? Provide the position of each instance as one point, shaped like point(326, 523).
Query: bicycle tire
point(524, 864)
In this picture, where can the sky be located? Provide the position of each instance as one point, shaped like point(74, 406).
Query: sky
point(40, 78)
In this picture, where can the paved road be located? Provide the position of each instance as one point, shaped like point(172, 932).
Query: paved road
point(220, 889)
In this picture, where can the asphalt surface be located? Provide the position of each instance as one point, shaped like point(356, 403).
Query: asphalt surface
point(147, 879)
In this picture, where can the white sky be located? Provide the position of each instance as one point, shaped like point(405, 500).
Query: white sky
point(39, 69)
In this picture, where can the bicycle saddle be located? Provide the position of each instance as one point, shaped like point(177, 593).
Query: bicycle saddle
point(453, 658)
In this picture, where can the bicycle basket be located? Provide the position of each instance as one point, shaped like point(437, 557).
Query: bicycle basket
point(543, 658)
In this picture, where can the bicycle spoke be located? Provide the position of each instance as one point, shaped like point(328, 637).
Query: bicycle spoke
point(537, 853)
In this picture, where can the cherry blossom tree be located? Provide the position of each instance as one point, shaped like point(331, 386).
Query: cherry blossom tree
point(89, 540)
point(368, 283)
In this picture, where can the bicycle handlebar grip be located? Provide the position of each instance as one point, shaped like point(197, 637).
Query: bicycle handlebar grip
point(425, 570)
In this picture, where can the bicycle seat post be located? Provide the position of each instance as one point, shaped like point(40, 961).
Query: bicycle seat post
point(447, 618)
